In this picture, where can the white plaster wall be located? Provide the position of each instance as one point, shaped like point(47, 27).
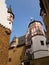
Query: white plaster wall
point(40, 54)
point(37, 46)
point(3, 15)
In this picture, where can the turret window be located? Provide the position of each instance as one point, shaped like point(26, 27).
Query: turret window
point(42, 42)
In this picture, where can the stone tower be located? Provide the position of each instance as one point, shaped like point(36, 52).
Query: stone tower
point(6, 20)
point(36, 41)
point(44, 13)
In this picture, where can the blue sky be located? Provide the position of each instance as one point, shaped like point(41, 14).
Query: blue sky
point(23, 11)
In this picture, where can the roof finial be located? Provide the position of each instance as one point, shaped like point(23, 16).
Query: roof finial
point(31, 19)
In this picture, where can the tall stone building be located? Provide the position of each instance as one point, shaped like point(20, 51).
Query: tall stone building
point(16, 50)
point(44, 13)
point(6, 20)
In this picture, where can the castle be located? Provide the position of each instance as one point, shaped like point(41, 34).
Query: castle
point(30, 49)
point(6, 20)
point(34, 48)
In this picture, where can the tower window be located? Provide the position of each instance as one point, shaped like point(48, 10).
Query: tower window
point(42, 42)
point(9, 59)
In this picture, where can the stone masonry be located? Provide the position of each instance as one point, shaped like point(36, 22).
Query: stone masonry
point(4, 44)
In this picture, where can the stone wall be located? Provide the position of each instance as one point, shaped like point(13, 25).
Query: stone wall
point(4, 44)
point(40, 61)
point(46, 16)
point(14, 56)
